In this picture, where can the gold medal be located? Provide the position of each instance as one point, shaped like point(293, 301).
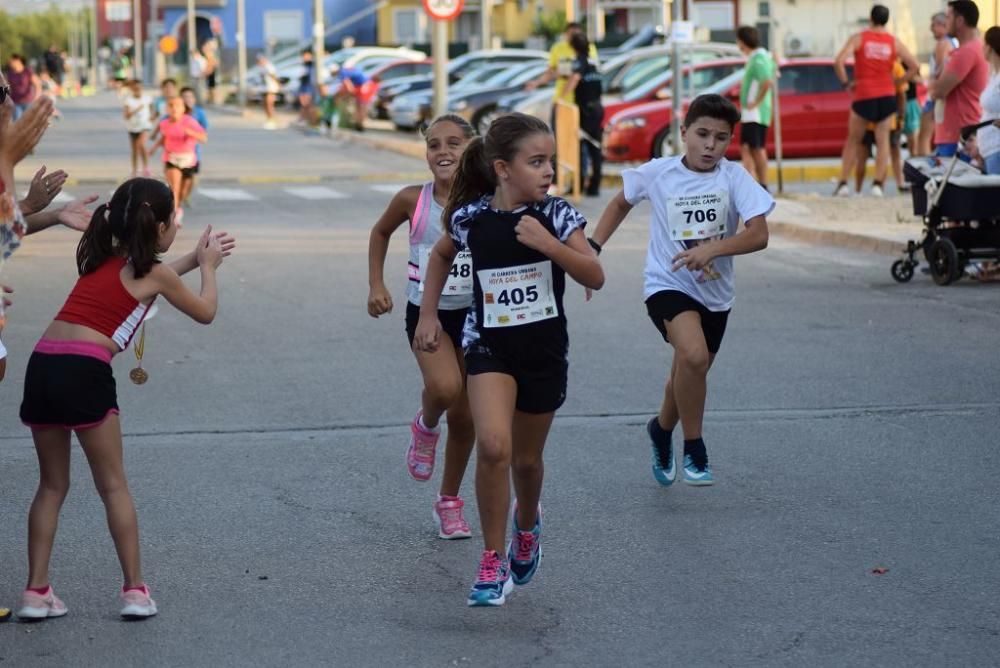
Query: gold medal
point(138, 375)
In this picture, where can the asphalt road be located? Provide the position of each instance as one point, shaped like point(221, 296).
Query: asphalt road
point(852, 424)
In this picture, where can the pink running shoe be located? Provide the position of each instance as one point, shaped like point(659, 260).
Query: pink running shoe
point(35, 606)
point(136, 604)
point(451, 523)
point(420, 454)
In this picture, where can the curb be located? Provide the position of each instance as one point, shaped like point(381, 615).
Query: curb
point(837, 238)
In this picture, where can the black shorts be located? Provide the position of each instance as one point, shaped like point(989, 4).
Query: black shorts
point(452, 322)
point(210, 80)
point(540, 388)
point(136, 135)
point(875, 109)
point(68, 384)
point(753, 135)
point(667, 304)
point(186, 172)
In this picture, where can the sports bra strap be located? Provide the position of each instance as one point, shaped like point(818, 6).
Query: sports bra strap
point(421, 212)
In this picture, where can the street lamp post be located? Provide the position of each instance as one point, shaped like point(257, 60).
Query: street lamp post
point(192, 35)
point(675, 63)
point(485, 23)
point(93, 45)
point(137, 37)
point(318, 46)
point(241, 55)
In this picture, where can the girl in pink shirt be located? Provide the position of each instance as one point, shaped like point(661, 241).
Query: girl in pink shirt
point(179, 134)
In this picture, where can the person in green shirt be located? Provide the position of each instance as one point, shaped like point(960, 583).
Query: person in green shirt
point(756, 98)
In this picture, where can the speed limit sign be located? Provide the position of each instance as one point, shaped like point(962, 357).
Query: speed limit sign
point(443, 10)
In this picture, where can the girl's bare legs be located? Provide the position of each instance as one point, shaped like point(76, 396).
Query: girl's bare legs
point(491, 399)
point(530, 431)
point(684, 396)
point(187, 185)
point(143, 153)
point(444, 390)
point(173, 177)
point(103, 447)
point(134, 144)
point(52, 445)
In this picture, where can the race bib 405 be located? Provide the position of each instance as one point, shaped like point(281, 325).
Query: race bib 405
point(517, 295)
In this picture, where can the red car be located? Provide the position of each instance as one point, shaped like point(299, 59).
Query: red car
point(658, 87)
point(814, 112)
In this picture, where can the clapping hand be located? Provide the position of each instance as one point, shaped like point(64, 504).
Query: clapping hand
point(44, 188)
point(19, 138)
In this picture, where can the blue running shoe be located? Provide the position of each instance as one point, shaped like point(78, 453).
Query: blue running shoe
point(664, 468)
point(525, 549)
point(697, 473)
point(493, 582)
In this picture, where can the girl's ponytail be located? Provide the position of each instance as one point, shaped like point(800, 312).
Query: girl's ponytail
point(96, 245)
point(127, 226)
point(473, 178)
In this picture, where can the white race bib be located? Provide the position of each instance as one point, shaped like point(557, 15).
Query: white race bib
point(691, 217)
point(518, 295)
point(459, 276)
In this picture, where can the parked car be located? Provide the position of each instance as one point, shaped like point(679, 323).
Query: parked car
point(696, 77)
point(814, 111)
point(626, 72)
point(457, 69)
point(647, 35)
point(408, 111)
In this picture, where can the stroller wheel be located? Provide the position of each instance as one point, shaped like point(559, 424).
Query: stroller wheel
point(902, 271)
point(944, 261)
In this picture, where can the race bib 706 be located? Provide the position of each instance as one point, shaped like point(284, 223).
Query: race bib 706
point(692, 217)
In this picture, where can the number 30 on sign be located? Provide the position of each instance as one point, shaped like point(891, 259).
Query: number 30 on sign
point(443, 10)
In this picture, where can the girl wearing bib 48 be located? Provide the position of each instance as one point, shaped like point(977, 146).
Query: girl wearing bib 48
point(522, 243)
point(444, 369)
point(698, 200)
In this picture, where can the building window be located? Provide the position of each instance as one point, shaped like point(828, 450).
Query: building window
point(408, 26)
point(282, 27)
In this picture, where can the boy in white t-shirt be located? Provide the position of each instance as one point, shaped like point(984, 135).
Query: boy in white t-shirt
point(698, 200)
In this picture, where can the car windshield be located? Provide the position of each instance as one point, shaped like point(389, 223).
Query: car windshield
point(514, 75)
point(481, 75)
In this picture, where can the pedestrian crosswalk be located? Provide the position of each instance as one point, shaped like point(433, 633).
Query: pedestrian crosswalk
point(313, 193)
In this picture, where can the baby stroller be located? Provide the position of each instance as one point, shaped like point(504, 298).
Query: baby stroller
point(961, 211)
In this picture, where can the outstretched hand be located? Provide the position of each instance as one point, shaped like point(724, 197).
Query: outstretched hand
point(76, 215)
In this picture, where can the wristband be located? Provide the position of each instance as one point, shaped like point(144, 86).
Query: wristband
point(596, 246)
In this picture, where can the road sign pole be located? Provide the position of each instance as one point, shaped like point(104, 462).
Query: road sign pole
point(675, 63)
point(439, 52)
point(241, 59)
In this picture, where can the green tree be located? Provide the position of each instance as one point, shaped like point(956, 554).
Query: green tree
point(31, 34)
point(550, 24)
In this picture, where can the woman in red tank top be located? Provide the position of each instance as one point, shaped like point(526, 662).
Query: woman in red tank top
point(875, 51)
point(68, 384)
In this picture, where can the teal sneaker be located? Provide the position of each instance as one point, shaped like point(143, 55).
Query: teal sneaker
point(493, 582)
point(698, 473)
point(664, 468)
point(525, 550)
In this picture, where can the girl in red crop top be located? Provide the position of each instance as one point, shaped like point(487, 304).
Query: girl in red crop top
point(68, 384)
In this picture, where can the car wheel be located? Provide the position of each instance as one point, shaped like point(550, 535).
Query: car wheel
point(662, 145)
point(483, 118)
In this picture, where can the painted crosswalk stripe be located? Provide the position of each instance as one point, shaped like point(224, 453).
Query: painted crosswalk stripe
point(315, 192)
point(227, 194)
point(391, 188)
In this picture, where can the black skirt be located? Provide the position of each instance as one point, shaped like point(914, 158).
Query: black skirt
point(68, 384)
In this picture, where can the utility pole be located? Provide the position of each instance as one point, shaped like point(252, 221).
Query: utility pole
point(93, 46)
point(486, 23)
point(318, 47)
point(675, 63)
point(439, 53)
point(241, 57)
point(137, 37)
point(192, 35)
